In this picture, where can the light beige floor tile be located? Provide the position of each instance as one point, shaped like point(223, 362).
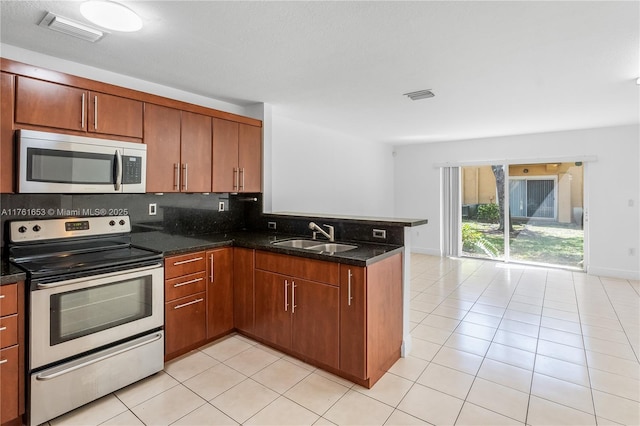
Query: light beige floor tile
point(621, 410)
point(316, 393)
point(562, 325)
point(563, 370)
point(604, 333)
point(483, 319)
point(189, 365)
point(516, 340)
point(431, 334)
point(567, 307)
point(283, 411)
point(468, 344)
point(563, 337)
point(299, 363)
point(409, 367)
point(251, 361)
point(613, 364)
point(443, 323)
point(510, 355)
point(525, 317)
point(563, 352)
point(562, 392)
point(606, 422)
point(449, 312)
point(476, 330)
point(431, 406)
point(124, 419)
point(323, 422)
point(139, 392)
point(488, 310)
point(458, 360)
point(390, 389)
point(620, 350)
point(546, 413)
point(447, 380)
point(93, 413)
point(535, 309)
point(424, 349)
point(610, 323)
point(423, 306)
point(417, 316)
point(270, 350)
point(560, 314)
point(506, 375)
point(169, 406)
point(614, 384)
point(355, 408)
point(214, 381)
point(474, 415)
point(456, 302)
point(519, 327)
point(339, 380)
point(227, 348)
point(400, 418)
point(207, 415)
point(500, 399)
point(281, 375)
point(244, 400)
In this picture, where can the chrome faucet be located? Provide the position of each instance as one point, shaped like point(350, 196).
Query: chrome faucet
point(315, 228)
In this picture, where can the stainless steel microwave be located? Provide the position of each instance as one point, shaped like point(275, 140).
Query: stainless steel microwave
point(58, 163)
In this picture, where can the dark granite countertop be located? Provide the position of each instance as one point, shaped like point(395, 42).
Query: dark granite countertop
point(366, 220)
point(10, 273)
point(172, 244)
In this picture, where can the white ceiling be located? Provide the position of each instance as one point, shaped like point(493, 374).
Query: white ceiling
point(497, 68)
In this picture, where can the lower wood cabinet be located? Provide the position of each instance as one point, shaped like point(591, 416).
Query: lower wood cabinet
point(243, 292)
point(219, 292)
point(12, 354)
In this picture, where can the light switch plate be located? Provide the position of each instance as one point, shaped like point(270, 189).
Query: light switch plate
point(220, 206)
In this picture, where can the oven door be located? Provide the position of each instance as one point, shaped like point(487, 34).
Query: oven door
point(71, 317)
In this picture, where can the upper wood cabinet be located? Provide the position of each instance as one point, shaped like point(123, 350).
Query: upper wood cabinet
point(51, 105)
point(178, 150)
point(237, 157)
point(7, 150)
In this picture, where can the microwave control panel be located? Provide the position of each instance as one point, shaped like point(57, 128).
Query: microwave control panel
point(131, 169)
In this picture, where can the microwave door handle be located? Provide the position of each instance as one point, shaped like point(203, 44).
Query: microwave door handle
point(118, 170)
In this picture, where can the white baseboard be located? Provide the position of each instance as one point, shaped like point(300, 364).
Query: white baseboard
point(422, 250)
point(614, 273)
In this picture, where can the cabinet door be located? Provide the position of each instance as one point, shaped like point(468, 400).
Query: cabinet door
point(162, 137)
point(273, 308)
point(353, 314)
point(7, 151)
point(9, 377)
point(185, 323)
point(316, 321)
point(250, 158)
point(195, 152)
point(114, 115)
point(41, 103)
point(243, 285)
point(225, 177)
point(219, 292)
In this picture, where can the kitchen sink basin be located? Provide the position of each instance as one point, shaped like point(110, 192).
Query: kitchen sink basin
point(314, 245)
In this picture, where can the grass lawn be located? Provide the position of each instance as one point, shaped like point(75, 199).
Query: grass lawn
point(534, 242)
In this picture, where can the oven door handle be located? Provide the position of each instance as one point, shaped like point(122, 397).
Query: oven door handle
point(101, 357)
point(85, 278)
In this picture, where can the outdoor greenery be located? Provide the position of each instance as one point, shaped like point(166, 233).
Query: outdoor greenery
point(489, 213)
point(550, 243)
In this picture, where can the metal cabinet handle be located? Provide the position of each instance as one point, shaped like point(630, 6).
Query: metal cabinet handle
point(349, 287)
point(211, 268)
point(188, 282)
point(176, 177)
point(241, 187)
point(3, 328)
point(95, 113)
point(286, 295)
point(185, 169)
point(2, 296)
point(236, 178)
point(188, 303)
point(3, 361)
point(293, 297)
point(82, 113)
point(182, 262)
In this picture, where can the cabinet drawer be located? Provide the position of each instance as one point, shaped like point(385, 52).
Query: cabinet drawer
point(185, 285)
point(8, 299)
point(185, 322)
point(8, 331)
point(176, 266)
point(299, 267)
point(9, 374)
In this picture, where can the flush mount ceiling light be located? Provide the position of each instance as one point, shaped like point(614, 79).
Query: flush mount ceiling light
point(111, 15)
point(420, 94)
point(70, 27)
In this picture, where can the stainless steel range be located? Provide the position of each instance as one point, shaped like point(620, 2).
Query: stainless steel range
point(95, 310)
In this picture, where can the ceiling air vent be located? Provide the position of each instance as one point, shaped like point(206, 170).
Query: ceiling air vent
point(72, 28)
point(420, 94)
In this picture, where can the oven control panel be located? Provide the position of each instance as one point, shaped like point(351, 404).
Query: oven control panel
point(47, 229)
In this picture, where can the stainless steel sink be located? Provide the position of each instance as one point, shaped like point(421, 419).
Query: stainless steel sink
point(315, 245)
point(332, 247)
point(296, 243)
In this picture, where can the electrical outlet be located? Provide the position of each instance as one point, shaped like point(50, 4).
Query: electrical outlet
point(153, 209)
point(379, 233)
point(271, 225)
point(220, 206)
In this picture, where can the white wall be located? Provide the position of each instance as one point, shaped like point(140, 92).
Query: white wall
point(318, 170)
point(612, 183)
